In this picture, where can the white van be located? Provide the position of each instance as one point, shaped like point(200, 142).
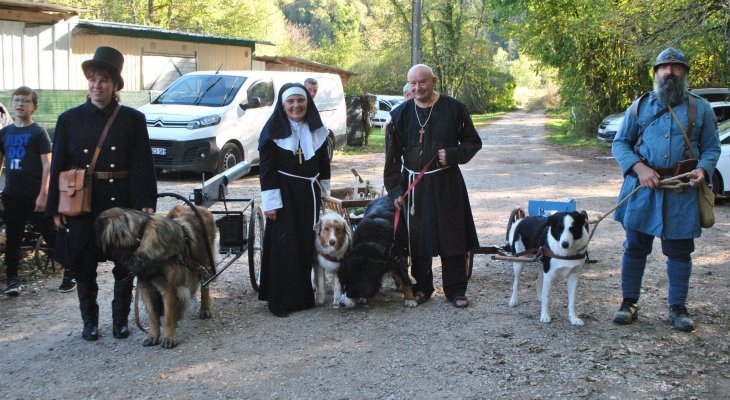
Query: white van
point(383, 105)
point(210, 121)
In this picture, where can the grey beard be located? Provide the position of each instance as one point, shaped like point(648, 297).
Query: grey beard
point(672, 91)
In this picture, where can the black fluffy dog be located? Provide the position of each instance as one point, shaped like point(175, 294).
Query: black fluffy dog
point(374, 253)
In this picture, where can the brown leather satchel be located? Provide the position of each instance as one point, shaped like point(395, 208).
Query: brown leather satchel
point(685, 166)
point(705, 196)
point(74, 185)
point(75, 192)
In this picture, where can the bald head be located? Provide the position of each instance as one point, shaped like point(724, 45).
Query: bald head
point(420, 69)
point(422, 81)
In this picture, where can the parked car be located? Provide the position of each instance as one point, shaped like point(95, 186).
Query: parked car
point(383, 105)
point(210, 121)
point(721, 177)
point(609, 126)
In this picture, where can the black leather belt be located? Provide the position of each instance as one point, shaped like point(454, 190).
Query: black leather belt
point(111, 175)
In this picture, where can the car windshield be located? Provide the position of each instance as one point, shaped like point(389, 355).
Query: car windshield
point(202, 90)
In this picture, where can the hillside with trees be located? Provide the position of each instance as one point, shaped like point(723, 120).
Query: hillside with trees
point(598, 53)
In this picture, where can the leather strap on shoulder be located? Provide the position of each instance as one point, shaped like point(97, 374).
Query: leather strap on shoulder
point(637, 104)
point(691, 114)
point(108, 125)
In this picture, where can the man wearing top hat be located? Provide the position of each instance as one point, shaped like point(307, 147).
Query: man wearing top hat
point(124, 177)
point(647, 147)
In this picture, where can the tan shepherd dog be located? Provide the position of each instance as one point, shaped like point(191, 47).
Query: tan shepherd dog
point(168, 255)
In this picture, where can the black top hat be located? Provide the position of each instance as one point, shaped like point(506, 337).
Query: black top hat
point(109, 59)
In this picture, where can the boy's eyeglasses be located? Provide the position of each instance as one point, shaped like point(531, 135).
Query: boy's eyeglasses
point(22, 101)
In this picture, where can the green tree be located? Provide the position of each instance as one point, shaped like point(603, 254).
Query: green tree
point(603, 50)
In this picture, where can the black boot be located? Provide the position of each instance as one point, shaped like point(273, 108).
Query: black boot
point(87, 292)
point(120, 307)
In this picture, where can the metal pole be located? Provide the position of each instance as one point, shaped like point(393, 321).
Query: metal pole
point(416, 33)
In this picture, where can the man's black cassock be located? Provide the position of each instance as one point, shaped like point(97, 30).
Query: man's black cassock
point(442, 223)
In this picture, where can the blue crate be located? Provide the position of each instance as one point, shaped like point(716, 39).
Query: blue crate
point(545, 208)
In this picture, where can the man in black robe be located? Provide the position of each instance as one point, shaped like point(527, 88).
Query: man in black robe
point(437, 128)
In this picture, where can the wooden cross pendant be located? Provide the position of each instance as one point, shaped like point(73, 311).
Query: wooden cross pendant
point(299, 153)
point(420, 138)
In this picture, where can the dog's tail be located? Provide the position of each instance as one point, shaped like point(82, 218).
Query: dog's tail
point(517, 214)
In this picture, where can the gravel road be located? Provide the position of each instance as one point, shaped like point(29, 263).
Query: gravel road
point(387, 351)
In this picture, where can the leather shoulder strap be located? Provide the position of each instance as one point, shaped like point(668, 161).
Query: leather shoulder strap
point(108, 125)
point(637, 104)
point(688, 153)
point(691, 114)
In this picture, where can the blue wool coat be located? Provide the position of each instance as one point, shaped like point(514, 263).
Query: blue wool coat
point(664, 213)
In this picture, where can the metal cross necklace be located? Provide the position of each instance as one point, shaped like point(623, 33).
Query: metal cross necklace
point(423, 126)
point(299, 153)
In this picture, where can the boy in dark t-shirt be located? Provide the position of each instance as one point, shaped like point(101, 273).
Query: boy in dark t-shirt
point(25, 156)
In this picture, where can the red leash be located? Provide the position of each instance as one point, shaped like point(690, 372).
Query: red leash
point(408, 191)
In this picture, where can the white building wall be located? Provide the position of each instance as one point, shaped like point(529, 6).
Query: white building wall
point(35, 56)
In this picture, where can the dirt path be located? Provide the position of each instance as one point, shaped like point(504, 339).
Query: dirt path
point(386, 351)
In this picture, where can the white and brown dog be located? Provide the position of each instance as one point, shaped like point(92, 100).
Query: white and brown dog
point(562, 241)
point(333, 238)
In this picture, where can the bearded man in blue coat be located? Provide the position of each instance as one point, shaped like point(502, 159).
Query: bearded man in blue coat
point(647, 147)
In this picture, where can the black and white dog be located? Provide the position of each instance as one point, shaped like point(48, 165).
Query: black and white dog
point(562, 240)
point(375, 252)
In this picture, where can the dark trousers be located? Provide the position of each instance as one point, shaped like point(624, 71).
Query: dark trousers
point(19, 212)
point(453, 272)
point(679, 265)
point(84, 269)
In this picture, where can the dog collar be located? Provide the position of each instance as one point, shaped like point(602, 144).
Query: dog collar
point(328, 257)
point(545, 251)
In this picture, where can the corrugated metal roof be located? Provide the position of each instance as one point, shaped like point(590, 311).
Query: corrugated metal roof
point(87, 27)
point(35, 11)
point(39, 5)
point(300, 62)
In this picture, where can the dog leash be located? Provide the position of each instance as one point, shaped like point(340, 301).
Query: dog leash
point(674, 183)
point(408, 191)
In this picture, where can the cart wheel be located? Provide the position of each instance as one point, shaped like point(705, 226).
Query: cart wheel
point(255, 246)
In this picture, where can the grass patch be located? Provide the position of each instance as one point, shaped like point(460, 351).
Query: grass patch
point(559, 133)
point(376, 144)
point(485, 119)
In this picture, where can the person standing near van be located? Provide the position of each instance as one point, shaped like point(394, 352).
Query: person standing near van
point(124, 177)
point(25, 156)
point(312, 87)
point(433, 128)
point(407, 94)
point(294, 174)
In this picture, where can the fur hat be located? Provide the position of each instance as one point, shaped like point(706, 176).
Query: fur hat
point(671, 56)
point(109, 59)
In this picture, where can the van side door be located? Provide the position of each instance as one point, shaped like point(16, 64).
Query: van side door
point(251, 119)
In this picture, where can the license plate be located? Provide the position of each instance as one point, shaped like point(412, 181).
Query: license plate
point(159, 151)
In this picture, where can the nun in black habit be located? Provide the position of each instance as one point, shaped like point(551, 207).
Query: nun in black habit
point(294, 174)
